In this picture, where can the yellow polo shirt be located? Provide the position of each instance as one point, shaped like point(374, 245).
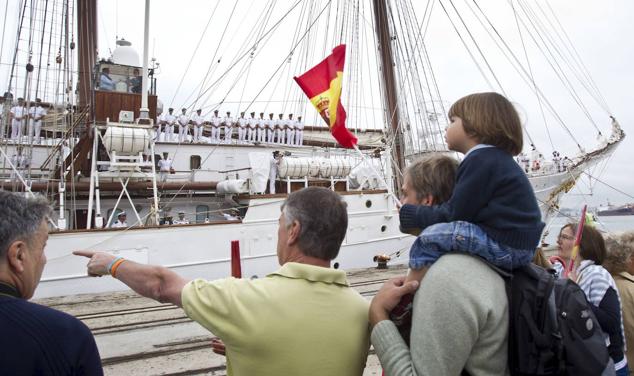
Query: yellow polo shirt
point(300, 320)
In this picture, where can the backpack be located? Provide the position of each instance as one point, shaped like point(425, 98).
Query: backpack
point(553, 330)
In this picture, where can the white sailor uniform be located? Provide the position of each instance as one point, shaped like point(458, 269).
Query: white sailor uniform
point(299, 133)
point(228, 122)
point(169, 121)
point(17, 124)
point(269, 124)
point(215, 129)
point(183, 125)
point(36, 113)
point(290, 132)
point(252, 123)
point(281, 130)
point(242, 130)
point(199, 123)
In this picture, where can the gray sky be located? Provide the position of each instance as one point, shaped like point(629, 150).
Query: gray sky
point(600, 33)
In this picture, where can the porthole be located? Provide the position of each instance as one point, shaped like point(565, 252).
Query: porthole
point(336, 265)
point(368, 204)
point(383, 228)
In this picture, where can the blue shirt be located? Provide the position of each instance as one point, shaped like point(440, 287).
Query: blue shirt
point(37, 340)
point(105, 82)
point(491, 191)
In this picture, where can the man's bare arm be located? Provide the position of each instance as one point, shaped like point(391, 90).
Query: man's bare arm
point(156, 282)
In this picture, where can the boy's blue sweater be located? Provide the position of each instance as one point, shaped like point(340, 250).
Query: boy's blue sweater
point(492, 192)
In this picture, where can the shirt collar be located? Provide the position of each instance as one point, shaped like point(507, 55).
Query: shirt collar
point(478, 146)
point(627, 276)
point(312, 273)
point(9, 290)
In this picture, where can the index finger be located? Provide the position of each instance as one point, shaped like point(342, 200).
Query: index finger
point(88, 254)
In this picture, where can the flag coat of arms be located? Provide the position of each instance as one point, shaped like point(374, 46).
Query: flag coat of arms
point(322, 85)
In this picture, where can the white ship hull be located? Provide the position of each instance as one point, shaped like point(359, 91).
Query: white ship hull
point(203, 250)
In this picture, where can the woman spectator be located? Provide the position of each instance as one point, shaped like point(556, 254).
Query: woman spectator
point(620, 263)
point(598, 285)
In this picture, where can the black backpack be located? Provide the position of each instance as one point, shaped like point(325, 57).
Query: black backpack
point(553, 330)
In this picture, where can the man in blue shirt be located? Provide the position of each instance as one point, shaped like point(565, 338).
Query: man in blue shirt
point(105, 82)
point(35, 340)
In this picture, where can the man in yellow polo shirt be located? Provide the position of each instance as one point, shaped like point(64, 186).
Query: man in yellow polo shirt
point(303, 319)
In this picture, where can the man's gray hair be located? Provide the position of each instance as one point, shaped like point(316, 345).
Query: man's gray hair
point(20, 218)
point(323, 221)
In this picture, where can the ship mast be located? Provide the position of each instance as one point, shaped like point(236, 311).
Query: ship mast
point(389, 84)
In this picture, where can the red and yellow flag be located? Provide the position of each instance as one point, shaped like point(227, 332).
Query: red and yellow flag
point(322, 84)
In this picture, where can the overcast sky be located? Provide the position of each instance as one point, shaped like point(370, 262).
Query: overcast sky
point(600, 31)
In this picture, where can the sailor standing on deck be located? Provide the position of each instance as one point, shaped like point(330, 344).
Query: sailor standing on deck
point(281, 129)
point(183, 126)
point(198, 121)
point(260, 127)
point(228, 122)
point(36, 114)
point(275, 162)
point(270, 128)
point(17, 115)
point(242, 128)
point(215, 127)
point(121, 221)
point(168, 120)
point(252, 122)
point(299, 131)
point(290, 130)
point(181, 219)
point(165, 167)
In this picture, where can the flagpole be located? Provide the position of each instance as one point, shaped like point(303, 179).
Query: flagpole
point(367, 162)
point(577, 244)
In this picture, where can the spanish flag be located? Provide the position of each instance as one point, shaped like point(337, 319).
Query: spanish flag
point(322, 84)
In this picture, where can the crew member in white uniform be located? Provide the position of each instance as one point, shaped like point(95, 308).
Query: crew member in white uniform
point(165, 166)
point(168, 120)
point(183, 126)
point(36, 114)
point(261, 128)
point(270, 128)
point(281, 129)
point(299, 131)
point(181, 219)
point(17, 115)
point(242, 128)
point(290, 130)
point(198, 123)
point(228, 122)
point(215, 127)
point(121, 221)
point(275, 162)
point(252, 123)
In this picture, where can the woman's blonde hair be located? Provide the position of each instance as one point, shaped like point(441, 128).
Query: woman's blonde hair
point(492, 119)
point(620, 251)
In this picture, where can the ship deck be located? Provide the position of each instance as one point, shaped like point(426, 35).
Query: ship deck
point(139, 336)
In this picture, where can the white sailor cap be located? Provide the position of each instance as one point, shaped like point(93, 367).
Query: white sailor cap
point(121, 213)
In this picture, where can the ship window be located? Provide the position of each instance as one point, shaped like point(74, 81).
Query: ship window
point(383, 228)
point(368, 204)
point(194, 162)
point(202, 212)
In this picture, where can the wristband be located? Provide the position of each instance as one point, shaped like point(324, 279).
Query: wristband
point(112, 263)
point(113, 271)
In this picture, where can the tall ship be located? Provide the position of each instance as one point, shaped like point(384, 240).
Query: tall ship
point(107, 144)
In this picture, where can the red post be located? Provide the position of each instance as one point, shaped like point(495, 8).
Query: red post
point(236, 269)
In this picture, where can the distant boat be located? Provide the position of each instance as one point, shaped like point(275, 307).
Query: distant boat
point(610, 210)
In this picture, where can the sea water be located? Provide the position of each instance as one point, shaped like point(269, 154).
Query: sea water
point(608, 225)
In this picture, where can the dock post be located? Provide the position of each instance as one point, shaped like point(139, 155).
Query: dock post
point(236, 269)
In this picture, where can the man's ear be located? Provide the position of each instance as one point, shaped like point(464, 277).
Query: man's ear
point(293, 232)
point(428, 200)
point(15, 255)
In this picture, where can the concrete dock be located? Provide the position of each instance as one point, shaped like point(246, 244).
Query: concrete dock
point(138, 336)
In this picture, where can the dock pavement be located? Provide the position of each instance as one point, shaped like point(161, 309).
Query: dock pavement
point(139, 336)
